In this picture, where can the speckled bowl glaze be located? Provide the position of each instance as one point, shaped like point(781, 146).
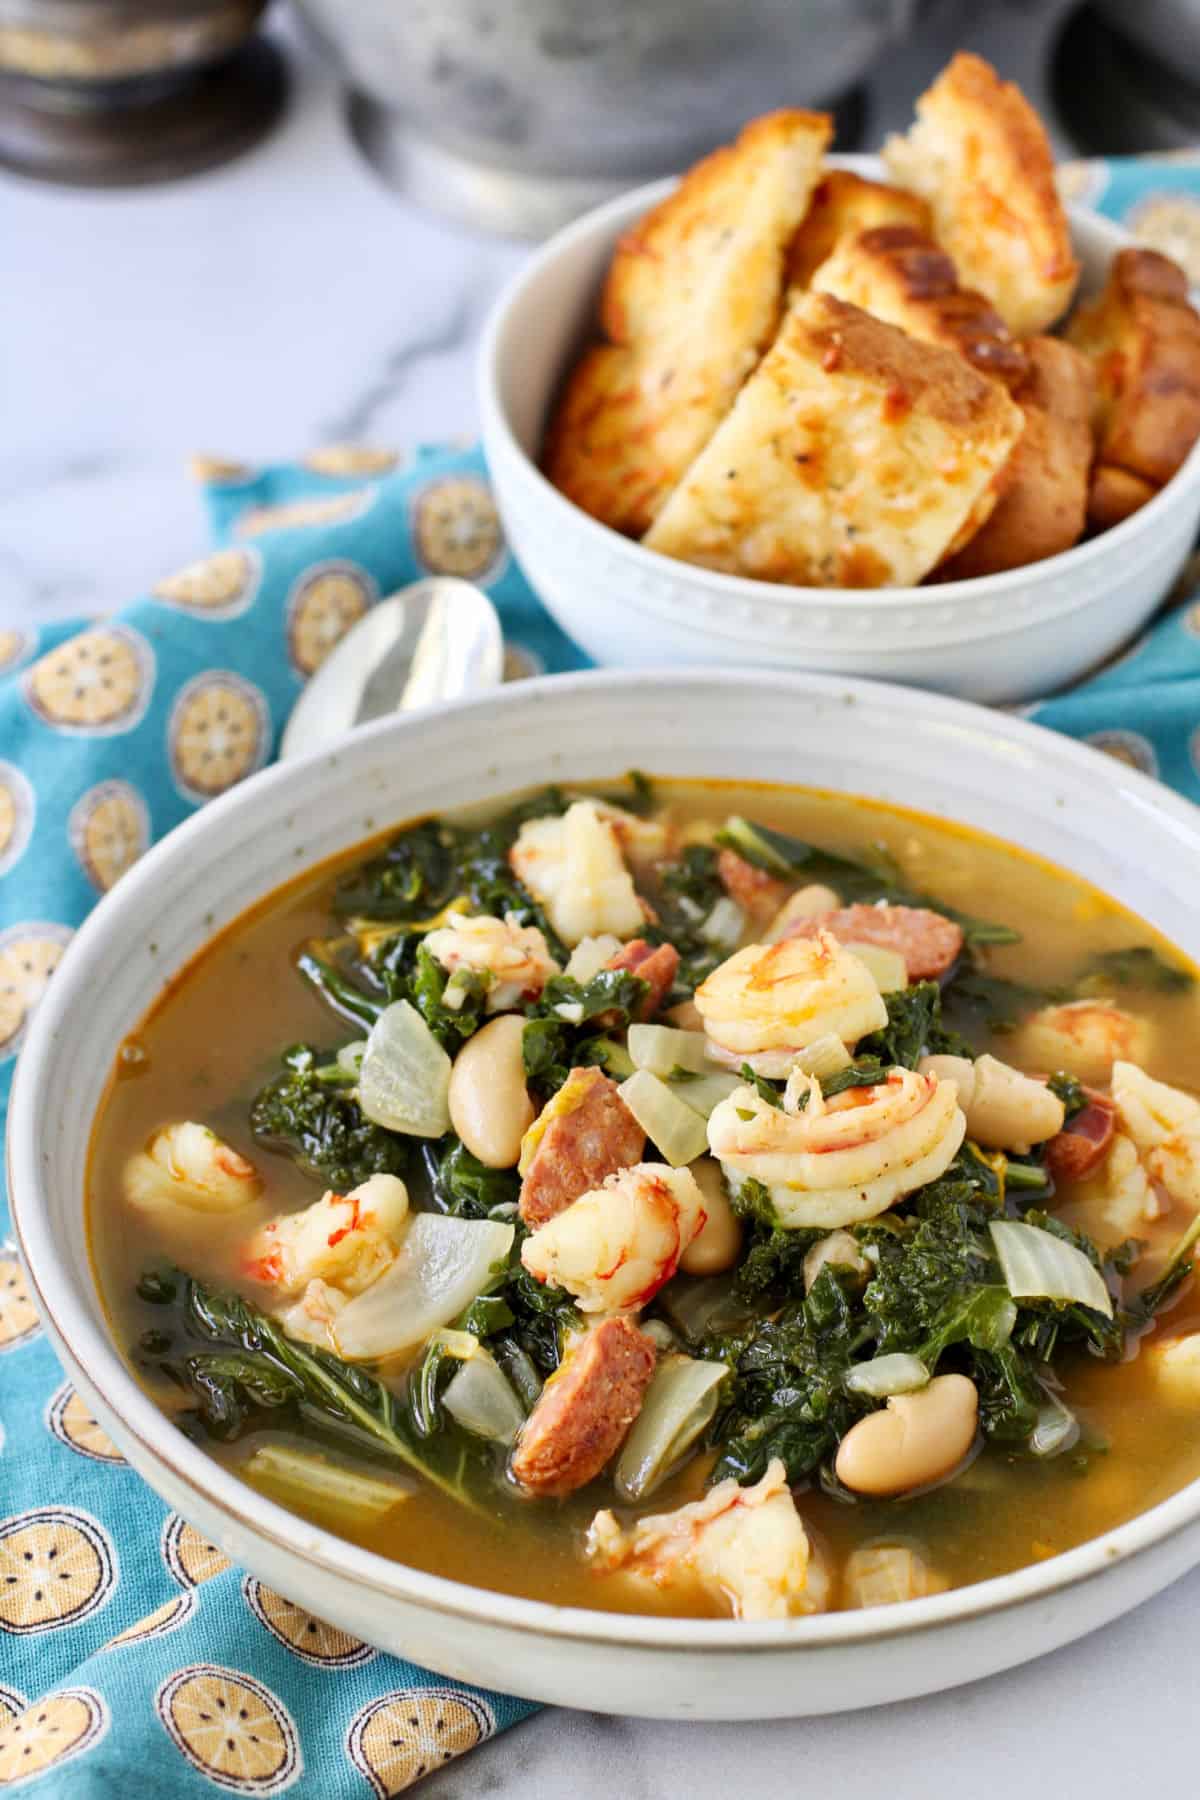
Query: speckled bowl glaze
point(998, 638)
point(1112, 825)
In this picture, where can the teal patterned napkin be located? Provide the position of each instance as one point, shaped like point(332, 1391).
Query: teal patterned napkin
point(127, 1643)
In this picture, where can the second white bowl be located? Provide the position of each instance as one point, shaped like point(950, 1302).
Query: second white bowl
point(997, 638)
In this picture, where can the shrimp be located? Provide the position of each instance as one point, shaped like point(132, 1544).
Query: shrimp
point(841, 1161)
point(614, 1247)
point(745, 1545)
point(1164, 1125)
point(513, 957)
point(769, 1001)
point(1130, 1197)
point(574, 866)
point(1084, 1037)
point(187, 1165)
point(343, 1240)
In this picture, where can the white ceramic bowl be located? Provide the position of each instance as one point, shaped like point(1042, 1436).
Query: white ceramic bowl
point(1004, 637)
point(1111, 824)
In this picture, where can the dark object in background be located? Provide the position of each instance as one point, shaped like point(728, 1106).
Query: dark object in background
point(1126, 77)
point(109, 93)
point(515, 115)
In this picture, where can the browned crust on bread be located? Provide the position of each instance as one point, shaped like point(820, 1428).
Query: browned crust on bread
point(842, 204)
point(900, 275)
point(855, 456)
point(980, 155)
point(1143, 339)
point(646, 263)
point(1042, 509)
point(585, 1410)
point(1115, 495)
point(846, 340)
point(692, 299)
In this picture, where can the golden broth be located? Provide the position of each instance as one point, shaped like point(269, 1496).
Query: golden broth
point(215, 1035)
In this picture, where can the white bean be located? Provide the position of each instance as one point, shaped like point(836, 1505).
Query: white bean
point(490, 1106)
point(717, 1244)
point(805, 903)
point(915, 1440)
point(1009, 1110)
point(1005, 1110)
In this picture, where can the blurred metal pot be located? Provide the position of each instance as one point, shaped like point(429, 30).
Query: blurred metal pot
point(108, 92)
point(517, 114)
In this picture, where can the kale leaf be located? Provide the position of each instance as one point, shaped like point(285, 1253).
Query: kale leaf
point(1139, 966)
point(788, 1392)
point(303, 1113)
point(242, 1370)
point(460, 1184)
point(411, 879)
point(612, 995)
point(975, 1001)
point(1069, 1091)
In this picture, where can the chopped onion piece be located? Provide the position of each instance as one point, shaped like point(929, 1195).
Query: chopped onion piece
point(888, 967)
point(705, 1092)
point(1056, 1431)
point(824, 1057)
point(442, 1264)
point(674, 1128)
point(723, 926)
point(1039, 1266)
point(884, 1375)
point(404, 1082)
point(570, 1011)
point(661, 1048)
point(680, 1403)
point(300, 1478)
point(481, 1400)
point(591, 955)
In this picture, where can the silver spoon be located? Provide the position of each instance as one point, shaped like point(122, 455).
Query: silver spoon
point(435, 640)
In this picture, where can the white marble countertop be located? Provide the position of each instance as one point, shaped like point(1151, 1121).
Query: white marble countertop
point(290, 300)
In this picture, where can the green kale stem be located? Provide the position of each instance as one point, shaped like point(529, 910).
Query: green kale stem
point(347, 1000)
point(1152, 1299)
point(318, 1381)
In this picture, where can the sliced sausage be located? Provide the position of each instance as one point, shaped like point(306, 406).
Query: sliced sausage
point(654, 963)
point(579, 1147)
point(585, 1410)
point(1084, 1142)
point(928, 942)
point(754, 890)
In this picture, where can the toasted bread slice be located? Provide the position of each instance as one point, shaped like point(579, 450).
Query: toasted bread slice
point(1114, 495)
point(853, 457)
point(1043, 506)
point(980, 155)
point(843, 204)
point(692, 299)
point(1143, 339)
point(901, 276)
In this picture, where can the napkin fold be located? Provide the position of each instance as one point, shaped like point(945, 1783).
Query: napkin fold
point(126, 1641)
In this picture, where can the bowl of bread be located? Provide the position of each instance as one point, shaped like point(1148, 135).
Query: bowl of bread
point(905, 416)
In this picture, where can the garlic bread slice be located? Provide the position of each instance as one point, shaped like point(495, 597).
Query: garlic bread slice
point(979, 154)
point(692, 299)
point(854, 457)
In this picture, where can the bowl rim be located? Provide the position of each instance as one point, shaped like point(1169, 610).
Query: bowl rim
point(618, 213)
point(94, 1361)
